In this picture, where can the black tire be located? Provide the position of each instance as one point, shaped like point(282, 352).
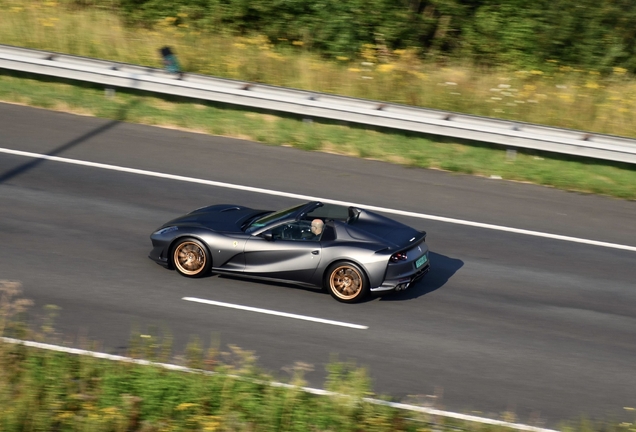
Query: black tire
point(191, 258)
point(346, 282)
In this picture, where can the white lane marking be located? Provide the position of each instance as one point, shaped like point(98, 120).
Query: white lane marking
point(272, 312)
point(326, 200)
point(321, 392)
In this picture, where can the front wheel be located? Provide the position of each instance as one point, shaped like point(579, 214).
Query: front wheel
point(347, 282)
point(190, 258)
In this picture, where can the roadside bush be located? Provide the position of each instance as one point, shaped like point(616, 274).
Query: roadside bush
point(585, 34)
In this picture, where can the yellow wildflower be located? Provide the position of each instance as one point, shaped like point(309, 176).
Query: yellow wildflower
point(212, 423)
point(110, 411)
point(420, 75)
point(184, 406)
point(386, 67)
point(274, 55)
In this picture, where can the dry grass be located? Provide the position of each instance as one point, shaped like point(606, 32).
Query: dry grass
point(562, 96)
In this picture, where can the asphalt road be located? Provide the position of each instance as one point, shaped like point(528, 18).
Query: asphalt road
point(540, 327)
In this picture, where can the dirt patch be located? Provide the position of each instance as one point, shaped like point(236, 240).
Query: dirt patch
point(328, 147)
point(163, 105)
point(180, 128)
point(397, 159)
point(267, 117)
point(64, 107)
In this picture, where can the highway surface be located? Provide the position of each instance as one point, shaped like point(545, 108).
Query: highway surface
point(540, 327)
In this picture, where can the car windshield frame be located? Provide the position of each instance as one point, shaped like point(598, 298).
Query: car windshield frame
point(272, 218)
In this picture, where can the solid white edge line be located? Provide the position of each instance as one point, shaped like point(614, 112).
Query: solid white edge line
point(326, 200)
point(276, 313)
point(321, 392)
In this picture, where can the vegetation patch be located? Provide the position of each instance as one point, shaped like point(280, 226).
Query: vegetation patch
point(591, 90)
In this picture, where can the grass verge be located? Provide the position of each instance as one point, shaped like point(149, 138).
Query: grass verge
point(409, 149)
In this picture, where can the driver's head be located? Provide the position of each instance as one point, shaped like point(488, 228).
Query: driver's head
point(316, 226)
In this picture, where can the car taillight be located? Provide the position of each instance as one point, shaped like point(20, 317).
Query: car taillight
point(398, 257)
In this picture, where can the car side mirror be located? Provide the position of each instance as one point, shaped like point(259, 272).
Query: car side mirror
point(268, 236)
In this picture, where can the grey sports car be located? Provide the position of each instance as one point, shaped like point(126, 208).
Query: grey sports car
point(346, 250)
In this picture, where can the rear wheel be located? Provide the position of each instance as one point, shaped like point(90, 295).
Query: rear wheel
point(347, 282)
point(191, 258)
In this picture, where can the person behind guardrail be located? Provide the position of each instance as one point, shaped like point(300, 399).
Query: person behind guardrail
point(170, 61)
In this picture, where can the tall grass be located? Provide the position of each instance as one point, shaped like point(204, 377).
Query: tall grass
point(562, 96)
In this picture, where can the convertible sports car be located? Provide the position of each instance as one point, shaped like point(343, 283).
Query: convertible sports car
point(347, 250)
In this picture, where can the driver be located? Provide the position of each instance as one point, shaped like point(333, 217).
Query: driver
point(316, 227)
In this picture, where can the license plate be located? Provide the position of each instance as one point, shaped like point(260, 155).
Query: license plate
point(420, 262)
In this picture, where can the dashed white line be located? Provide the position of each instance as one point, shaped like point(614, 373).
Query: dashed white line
point(272, 312)
point(326, 200)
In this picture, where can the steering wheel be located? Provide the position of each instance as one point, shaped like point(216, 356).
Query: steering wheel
point(286, 233)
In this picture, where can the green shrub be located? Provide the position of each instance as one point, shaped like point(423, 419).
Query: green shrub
point(586, 33)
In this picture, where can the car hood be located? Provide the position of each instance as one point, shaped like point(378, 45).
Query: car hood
point(221, 217)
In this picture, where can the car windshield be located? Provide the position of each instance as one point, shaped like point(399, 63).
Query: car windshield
point(272, 218)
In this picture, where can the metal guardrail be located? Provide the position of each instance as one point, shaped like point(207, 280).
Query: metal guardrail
point(320, 105)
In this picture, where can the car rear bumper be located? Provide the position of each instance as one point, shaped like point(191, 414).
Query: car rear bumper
point(402, 283)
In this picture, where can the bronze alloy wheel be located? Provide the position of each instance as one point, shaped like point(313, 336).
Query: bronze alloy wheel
point(346, 282)
point(190, 258)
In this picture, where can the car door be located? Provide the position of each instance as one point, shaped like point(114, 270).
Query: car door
point(284, 252)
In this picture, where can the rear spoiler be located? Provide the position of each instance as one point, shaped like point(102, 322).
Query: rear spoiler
point(416, 240)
